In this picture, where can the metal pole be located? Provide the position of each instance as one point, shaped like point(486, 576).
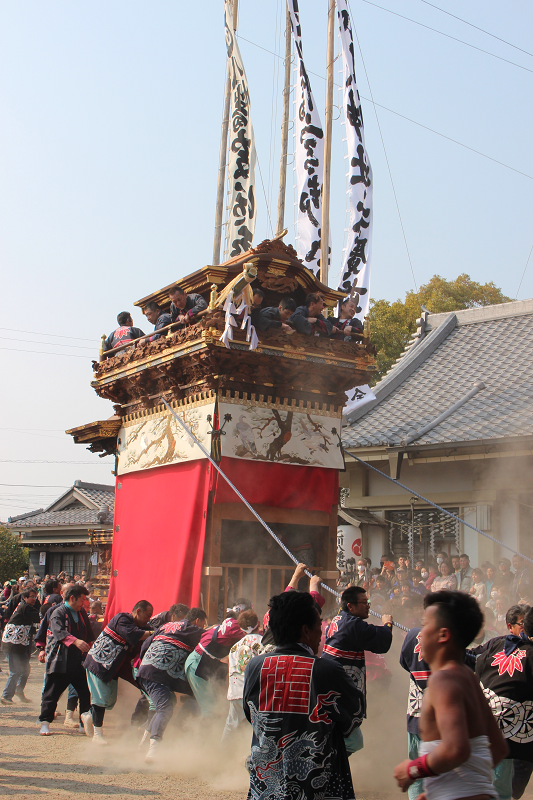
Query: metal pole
point(219, 212)
point(284, 127)
point(324, 232)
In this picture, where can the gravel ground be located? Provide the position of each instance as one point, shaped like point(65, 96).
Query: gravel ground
point(192, 764)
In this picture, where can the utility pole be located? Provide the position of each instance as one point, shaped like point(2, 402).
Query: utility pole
point(223, 150)
point(324, 228)
point(284, 127)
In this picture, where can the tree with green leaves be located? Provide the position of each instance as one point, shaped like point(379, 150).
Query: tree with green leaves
point(14, 558)
point(391, 324)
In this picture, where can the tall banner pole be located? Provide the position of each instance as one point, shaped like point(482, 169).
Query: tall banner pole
point(324, 232)
point(280, 223)
point(219, 212)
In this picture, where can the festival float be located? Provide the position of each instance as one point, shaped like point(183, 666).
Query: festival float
point(266, 405)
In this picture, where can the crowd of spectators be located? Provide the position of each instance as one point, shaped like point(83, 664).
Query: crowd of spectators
point(398, 587)
point(48, 592)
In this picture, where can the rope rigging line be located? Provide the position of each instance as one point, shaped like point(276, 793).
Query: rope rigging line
point(269, 530)
point(444, 510)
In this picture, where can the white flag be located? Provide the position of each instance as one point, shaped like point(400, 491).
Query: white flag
point(356, 269)
point(309, 157)
point(357, 397)
point(241, 164)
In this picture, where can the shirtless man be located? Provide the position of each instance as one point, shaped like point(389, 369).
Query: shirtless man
point(461, 740)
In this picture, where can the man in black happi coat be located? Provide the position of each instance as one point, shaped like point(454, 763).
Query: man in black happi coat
point(303, 709)
point(68, 639)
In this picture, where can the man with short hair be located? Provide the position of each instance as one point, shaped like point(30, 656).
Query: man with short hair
point(157, 317)
point(455, 564)
point(67, 641)
point(309, 319)
point(464, 576)
point(348, 636)
point(110, 658)
point(16, 597)
point(521, 583)
point(204, 664)
point(198, 617)
point(52, 591)
point(162, 672)
point(17, 644)
point(275, 318)
point(176, 613)
point(505, 670)
point(185, 306)
point(304, 710)
point(257, 301)
point(460, 737)
point(125, 333)
point(347, 324)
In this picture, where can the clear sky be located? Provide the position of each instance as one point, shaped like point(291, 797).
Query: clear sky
point(110, 119)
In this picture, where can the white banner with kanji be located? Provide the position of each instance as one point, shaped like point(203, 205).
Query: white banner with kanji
point(241, 145)
point(355, 280)
point(308, 156)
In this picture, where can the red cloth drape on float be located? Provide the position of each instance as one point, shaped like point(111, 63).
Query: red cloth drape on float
point(160, 521)
point(267, 483)
point(158, 546)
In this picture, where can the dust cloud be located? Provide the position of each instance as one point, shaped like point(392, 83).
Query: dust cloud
point(192, 749)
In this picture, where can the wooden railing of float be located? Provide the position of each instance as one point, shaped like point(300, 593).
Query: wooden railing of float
point(258, 582)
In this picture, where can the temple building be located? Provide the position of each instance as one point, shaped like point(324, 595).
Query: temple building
point(453, 420)
point(266, 405)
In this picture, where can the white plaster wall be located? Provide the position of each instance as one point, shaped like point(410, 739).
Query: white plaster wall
point(456, 476)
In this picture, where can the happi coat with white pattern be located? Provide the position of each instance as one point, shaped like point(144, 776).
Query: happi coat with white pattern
point(164, 655)
point(301, 707)
point(115, 645)
point(505, 670)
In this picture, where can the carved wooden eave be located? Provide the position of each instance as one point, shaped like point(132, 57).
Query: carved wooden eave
point(296, 367)
point(280, 272)
point(100, 435)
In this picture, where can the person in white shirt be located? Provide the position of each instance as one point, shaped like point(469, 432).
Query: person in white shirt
point(239, 656)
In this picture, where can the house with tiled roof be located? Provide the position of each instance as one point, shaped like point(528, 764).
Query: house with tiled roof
point(63, 536)
point(453, 421)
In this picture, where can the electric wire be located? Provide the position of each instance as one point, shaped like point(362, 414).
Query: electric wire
point(447, 35)
point(427, 3)
point(40, 461)
point(37, 485)
point(43, 353)
point(55, 335)
point(413, 121)
point(50, 344)
point(524, 272)
point(385, 152)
